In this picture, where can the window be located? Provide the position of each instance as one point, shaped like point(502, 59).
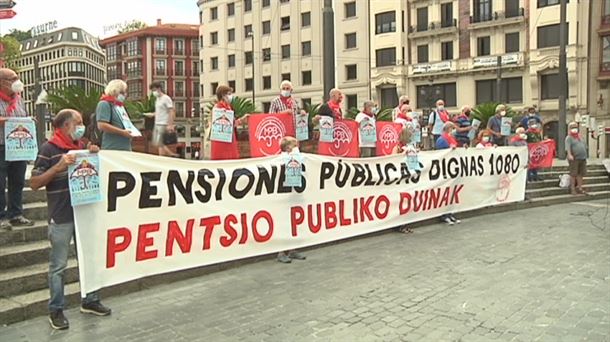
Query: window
point(422, 54)
point(231, 35)
point(134, 69)
point(549, 89)
point(483, 46)
point(446, 51)
point(194, 47)
point(248, 57)
point(286, 77)
point(179, 68)
point(266, 27)
point(549, 36)
point(306, 78)
point(385, 22)
point(266, 82)
point(214, 63)
point(232, 85)
point(214, 38)
point(385, 57)
point(132, 47)
point(231, 9)
point(179, 45)
point(247, 31)
point(266, 55)
point(305, 19)
point(511, 42)
point(266, 3)
point(285, 51)
point(247, 5)
point(422, 19)
point(213, 87)
point(350, 40)
point(352, 101)
point(305, 49)
point(249, 84)
point(160, 46)
point(231, 61)
point(200, 17)
point(160, 67)
point(427, 95)
point(605, 66)
point(511, 90)
point(447, 14)
point(111, 52)
point(544, 3)
point(214, 13)
point(179, 106)
point(306, 102)
point(285, 25)
point(266, 107)
point(351, 72)
point(195, 68)
point(284, 1)
point(482, 10)
point(511, 8)
point(179, 88)
point(350, 9)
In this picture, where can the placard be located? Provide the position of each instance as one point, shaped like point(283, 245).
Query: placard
point(302, 127)
point(506, 126)
point(222, 125)
point(326, 128)
point(368, 131)
point(84, 178)
point(474, 128)
point(20, 139)
point(293, 163)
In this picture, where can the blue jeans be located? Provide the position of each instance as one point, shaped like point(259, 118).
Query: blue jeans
point(14, 171)
point(60, 236)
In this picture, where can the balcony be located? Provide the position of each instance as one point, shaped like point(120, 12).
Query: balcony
point(604, 25)
point(487, 62)
point(434, 29)
point(486, 20)
point(604, 70)
point(432, 68)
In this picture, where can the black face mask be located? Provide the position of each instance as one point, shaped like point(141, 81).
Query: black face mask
point(467, 113)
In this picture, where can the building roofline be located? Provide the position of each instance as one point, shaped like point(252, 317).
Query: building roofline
point(165, 30)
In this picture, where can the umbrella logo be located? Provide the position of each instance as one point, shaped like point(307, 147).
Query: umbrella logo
point(20, 134)
point(503, 188)
point(223, 124)
point(84, 170)
point(538, 153)
point(270, 131)
point(342, 136)
point(388, 136)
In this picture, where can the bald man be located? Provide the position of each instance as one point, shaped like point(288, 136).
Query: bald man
point(332, 108)
point(11, 105)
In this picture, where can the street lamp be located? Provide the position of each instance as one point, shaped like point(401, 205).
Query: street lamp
point(251, 35)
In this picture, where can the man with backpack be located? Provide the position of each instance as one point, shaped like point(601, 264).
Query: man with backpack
point(437, 120)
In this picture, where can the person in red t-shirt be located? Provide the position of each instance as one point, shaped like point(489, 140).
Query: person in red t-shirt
point(223, 150)
point(332, 107)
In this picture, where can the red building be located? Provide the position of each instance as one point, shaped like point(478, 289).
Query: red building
point(168, 53)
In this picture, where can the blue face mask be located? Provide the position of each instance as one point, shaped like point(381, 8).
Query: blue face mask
point(121, 98)
point(78, 133)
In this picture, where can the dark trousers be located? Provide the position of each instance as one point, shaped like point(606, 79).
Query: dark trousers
point(12, 174)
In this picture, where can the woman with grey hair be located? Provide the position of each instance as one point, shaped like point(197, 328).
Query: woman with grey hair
point(109, 115)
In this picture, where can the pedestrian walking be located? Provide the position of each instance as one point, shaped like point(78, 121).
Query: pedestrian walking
point(51, 171)
point(12, 173)
point(165, 114)
point(577, 153)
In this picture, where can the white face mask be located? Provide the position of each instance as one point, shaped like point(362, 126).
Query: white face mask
point(17, 86)
point(574, 130)
point(156, 93)
point(523, 136)
point(441, 107)
point(503, 113)
point(485, 139)
point(229, 98)
point(285, 93)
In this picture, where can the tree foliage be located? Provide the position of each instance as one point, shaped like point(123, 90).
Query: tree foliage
point(77, 98)
point(20, 35)
point(241, 106)
point(10, 52)
point(484, 111)
point(135, 109)
point(132, 26)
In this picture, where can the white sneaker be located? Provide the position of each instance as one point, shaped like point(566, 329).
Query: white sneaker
point(454, 219)
point(448, 221)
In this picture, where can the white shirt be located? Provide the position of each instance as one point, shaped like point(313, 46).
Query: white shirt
point(163, 105)
point(359, 118)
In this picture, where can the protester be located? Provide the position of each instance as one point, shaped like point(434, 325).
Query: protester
point(404, 145)
point(485, 139)
point(332, 107)
point(221, 150)
point(51, 171)
point(289, 145)
point(405, 117)
point(519, 139)
point(464, 126)
point(108, 114)
point(403, 100)
point(530, 118)
point(495, 125)
point(367, 149)
point(11, 105)
point(437, 120)
point(534, 135)
point(445, 141)
point(576, 149)
point(165, 114)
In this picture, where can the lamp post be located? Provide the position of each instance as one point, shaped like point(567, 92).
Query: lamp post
point(251, 35)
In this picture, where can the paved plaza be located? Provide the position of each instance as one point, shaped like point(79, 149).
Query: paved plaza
point(538, 274)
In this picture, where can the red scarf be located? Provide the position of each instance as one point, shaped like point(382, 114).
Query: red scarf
point(287, 101)
point(515, 138)
point(486, 144)
point(12, 102)
point(444, 115)
point(60, 140)
point(404, 116)
point(224, 105)
point(575, 136)
point(336, 108)
point(450, 139)
point(112, 100)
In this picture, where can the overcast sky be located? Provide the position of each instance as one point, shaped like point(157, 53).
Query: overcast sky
point(93, 15)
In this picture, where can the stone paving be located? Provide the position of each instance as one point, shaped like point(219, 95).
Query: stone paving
point(540, 274)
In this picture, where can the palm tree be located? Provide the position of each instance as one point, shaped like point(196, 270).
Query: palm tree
point(241, 106)
point(484, 111)
point(384, 114)
point(77, 98)
point(136, 109)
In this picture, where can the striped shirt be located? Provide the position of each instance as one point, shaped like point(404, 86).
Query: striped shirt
point(278, 106)
point(18, 112)
point(58, 193)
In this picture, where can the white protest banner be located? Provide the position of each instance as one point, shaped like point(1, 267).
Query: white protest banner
point(158, 217)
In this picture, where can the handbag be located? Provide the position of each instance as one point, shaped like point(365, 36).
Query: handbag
point(170, 138)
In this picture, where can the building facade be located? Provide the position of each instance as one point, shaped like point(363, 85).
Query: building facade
point(167, 53)
point(67, 57)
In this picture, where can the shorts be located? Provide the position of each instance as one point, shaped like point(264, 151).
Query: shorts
point(157, 135)
point(366, 152)
point(578, 168)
